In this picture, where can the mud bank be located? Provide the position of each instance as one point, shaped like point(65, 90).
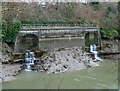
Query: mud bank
point(6, 54)
point(110, 46)
point(8, 72)
point(67, 59)
point(111, 56)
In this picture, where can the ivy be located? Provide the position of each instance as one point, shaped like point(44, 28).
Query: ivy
point(9, 32)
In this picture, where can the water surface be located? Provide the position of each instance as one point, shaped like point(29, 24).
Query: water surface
point(60, 42)
point(103, 77)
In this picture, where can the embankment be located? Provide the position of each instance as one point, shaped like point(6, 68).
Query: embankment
point(8, 71)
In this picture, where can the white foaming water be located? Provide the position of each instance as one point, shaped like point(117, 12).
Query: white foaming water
point(93, 50)
point(28, 67)
point(29, 60)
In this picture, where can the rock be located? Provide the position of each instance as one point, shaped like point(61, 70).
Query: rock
point(93, 64)
point(9, 71)
point(6, 53)
point(110, 46)
point(69, 59)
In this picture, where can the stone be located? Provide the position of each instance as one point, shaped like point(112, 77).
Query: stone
point(64, 62)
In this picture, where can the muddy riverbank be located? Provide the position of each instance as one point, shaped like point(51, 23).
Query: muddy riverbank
point(67, 59)
point(58, 60)
point(55, 61)
point(111, 56)
point(104, 76)
point(8, 71)
point(109, 46)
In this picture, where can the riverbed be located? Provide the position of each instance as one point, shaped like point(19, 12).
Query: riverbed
point(104, 76)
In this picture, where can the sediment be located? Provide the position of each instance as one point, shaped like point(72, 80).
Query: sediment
point(55, 60)
point(8, 71)
point(110, 46)
point(67, 59)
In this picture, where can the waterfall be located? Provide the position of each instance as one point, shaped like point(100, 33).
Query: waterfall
point(94, 51)
point(29, 60)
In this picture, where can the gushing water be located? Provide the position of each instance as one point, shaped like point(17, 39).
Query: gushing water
point(29, 60)
point(94, 51)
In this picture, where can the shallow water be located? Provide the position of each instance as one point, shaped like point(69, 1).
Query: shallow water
point(60, 42)
point(103, 77)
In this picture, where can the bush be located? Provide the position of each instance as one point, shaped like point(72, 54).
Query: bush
point(113, 33)
point(82, 22)
point(92, 3)
point(9, 32)
point(3, 27)
point(109, 33)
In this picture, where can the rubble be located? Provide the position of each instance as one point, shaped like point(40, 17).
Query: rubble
point(67, 59)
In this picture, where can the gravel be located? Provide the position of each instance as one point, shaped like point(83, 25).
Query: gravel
point(67, 59)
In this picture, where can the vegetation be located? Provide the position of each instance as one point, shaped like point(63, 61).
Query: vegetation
point(9, 32)
point(44, 22)
point(109, 33)
point(103, 13)
point(119, 18)
point(106, 14)
point(94, 2)
point(110, 15)
point(56, 22)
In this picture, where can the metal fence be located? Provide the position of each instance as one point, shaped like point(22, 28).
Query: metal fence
point(58, 25)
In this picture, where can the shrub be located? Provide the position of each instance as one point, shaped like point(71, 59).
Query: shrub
point(94, 2)
point(109, 33)
point(9, 32)
point(113, 33)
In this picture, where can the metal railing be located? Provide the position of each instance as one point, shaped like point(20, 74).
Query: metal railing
point(57, 25)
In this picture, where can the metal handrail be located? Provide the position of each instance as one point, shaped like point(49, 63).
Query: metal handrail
point(59, 25)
